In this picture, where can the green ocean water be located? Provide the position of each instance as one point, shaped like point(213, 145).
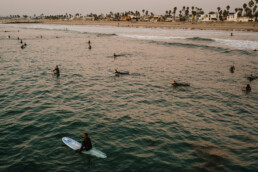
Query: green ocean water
point(140, 122)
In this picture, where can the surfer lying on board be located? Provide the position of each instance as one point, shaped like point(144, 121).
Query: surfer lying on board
point(174, 83)
point(122, 73)
point(86, 144)
point(56, 71)
point(251, 77)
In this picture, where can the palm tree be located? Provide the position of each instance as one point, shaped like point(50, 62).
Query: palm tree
point(245, 6)
point(143, 11)
point(251, 3)
point(228, 7)
point(174, 12)
point(254, 9)
point(146, 12)
point(187, 11)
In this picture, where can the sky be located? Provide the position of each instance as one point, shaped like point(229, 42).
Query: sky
point(54, 7)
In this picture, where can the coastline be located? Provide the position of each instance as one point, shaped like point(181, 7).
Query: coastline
point(227, 26)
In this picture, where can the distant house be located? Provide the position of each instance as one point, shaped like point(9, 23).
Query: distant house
point(145, 18)
point(89, 18)
point(169, 19)
point(233, 17)
point(209, 17)
point(125, 18)
point(134, 18)
point(157, 18)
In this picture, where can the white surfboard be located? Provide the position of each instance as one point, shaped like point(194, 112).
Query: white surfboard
point(73, 144)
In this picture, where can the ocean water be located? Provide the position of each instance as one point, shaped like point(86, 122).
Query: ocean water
point(140, 122)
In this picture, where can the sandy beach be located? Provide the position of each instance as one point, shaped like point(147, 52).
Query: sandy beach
point(229, 26)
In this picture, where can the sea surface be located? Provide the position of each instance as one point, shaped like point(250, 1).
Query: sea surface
point(138, 120)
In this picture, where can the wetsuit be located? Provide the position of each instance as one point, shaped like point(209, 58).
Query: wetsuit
point(57, 72)
point(122, 73)
point(86, 144)
point(248, 88)
point(179, 84)
point(232, 68)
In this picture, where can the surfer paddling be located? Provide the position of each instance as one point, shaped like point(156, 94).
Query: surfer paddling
point(86, 144)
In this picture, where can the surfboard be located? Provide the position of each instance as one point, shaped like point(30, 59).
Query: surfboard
point(73, 144)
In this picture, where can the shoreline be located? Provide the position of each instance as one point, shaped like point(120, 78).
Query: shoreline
point(226, 26)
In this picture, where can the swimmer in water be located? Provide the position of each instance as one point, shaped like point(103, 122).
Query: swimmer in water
point(232, 68)
point(248, 87)
point(56, 71)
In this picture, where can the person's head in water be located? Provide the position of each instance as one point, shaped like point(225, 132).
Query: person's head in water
point(174, 82)
point(85, 135)
point(115, 70)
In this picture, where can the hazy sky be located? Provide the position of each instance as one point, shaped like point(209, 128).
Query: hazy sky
point(30, 7)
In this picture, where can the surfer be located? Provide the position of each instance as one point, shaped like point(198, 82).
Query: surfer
point(86, 144)
point(248, 87)
point(232, 68)
point(89, 42)
point(122, 73)
point(174, 83)
point(251, 77)
point(56, 71)
point(89, 47)
point(21, 41)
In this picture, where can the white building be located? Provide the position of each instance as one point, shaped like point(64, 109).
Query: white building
point(209, 17)
point(233, 17)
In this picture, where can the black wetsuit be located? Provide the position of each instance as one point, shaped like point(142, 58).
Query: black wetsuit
point(232, 69)
point(57, 72)
point(86, 144)
point(179, 84)
point(122, 73)
point(248, 88)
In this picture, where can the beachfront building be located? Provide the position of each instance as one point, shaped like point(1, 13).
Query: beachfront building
point(169, 19)
point(88, 18)
point(157, 18)
point(209, 17)
point(145, 18)
point(233, 17)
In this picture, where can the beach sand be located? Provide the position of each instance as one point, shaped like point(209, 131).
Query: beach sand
point(229, 26)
